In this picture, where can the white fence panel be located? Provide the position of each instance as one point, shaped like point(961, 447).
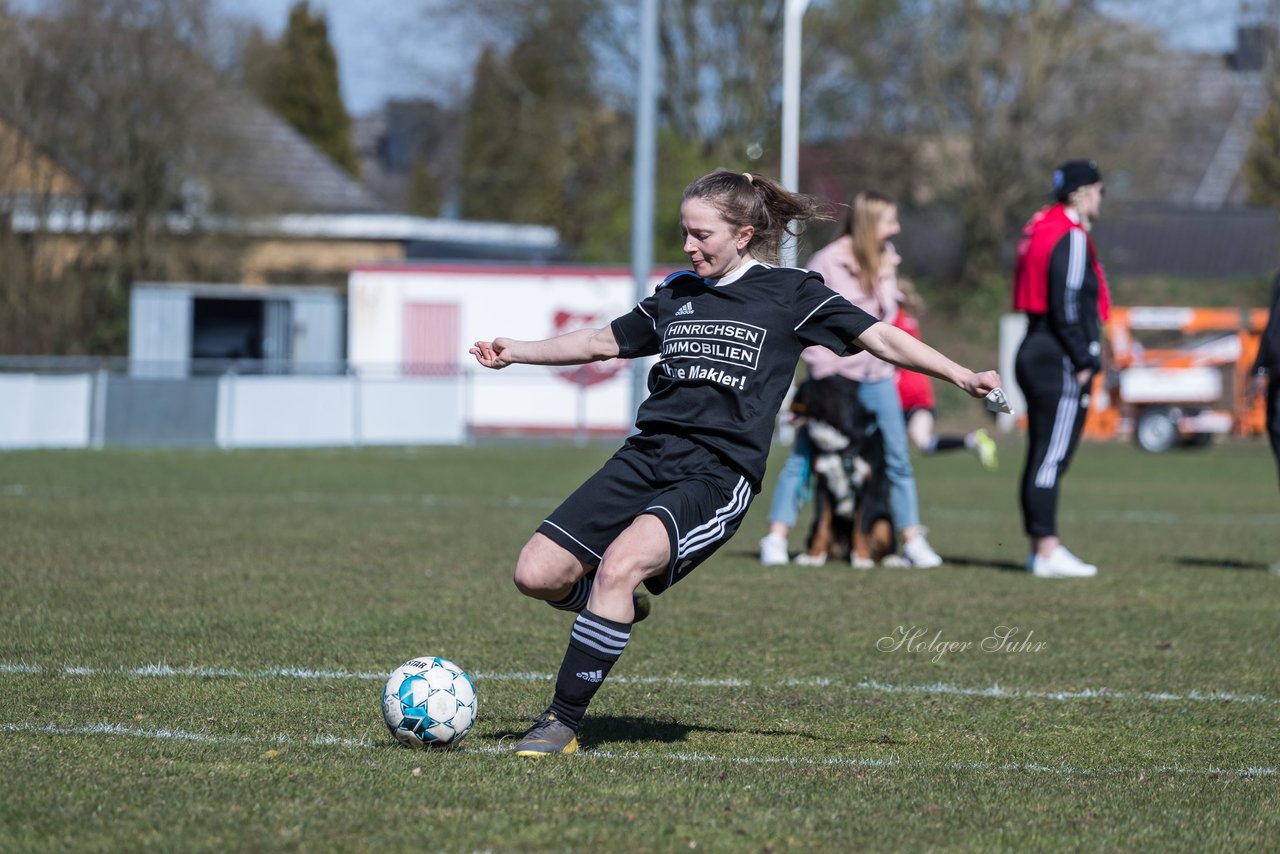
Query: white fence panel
point(411, 412)
point(297, 411)
point(39, 411)
point(267, 412)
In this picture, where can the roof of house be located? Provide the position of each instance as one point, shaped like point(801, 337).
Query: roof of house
point(262, 162)
point(1193, 152)
point(224, 149)
point(347, 226)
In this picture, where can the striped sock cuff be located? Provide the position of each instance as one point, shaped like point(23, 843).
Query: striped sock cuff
point(577, 598)
point(599, 636)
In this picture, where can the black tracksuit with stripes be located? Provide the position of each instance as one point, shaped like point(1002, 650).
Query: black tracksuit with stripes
point(1059, 344)
point(1268, 362)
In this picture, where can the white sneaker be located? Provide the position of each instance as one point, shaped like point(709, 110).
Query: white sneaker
point(860, 562)
point(1061, 564)
point(773, 551)
point(920, 554)
point(806, 559)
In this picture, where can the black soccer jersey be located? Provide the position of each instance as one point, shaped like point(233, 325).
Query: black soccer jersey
point(728, 351)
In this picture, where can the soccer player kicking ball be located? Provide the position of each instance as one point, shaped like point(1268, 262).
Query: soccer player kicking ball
point(728, 334)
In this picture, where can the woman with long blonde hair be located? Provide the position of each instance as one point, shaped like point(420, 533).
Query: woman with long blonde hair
point(861, 265)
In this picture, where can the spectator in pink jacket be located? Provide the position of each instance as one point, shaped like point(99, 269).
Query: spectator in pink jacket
point(863, 244)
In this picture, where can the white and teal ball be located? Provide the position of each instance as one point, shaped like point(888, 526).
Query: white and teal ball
point(429, 702)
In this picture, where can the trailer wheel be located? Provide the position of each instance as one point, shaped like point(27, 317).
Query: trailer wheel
point(1157, 430)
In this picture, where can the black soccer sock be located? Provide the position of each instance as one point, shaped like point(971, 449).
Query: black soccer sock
point(948, 443)
point(594, 645)
point(578, 596)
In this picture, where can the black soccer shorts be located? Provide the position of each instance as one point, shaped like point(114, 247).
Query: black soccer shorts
point(700, 500)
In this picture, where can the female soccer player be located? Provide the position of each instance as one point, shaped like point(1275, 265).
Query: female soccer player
point(1060, 285)
point(728, 334)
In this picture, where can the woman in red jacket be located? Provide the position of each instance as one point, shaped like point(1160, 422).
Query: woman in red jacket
point(1060, 286)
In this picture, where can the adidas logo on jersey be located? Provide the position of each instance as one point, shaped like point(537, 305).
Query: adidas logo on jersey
point(591, 676)
point(687, 308)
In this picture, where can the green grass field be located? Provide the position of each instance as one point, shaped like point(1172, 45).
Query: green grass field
point(192, 648)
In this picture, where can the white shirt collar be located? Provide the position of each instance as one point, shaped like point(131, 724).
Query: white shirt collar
point(735, 275)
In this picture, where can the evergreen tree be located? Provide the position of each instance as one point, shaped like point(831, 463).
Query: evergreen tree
point(425, 194)
point(1262, 164)
point(492, 171)
point(300, 82)
point(541, 146)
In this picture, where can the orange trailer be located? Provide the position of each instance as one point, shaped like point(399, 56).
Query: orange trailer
point(1178, 376)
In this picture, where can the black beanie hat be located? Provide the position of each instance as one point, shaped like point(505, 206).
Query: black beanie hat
point(1073, 175)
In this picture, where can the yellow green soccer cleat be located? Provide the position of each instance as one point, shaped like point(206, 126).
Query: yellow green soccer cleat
point(547, 736)
point(642, 604)
point(987, 450)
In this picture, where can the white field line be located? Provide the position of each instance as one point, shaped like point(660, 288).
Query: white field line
point(635, 756)
point(20, 490)
point(1142, 517)
point(341, 499)
point(994, 691)
point(166, 734)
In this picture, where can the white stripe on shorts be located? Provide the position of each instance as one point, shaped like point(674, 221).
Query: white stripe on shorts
point(572, 537)
point(710, 531)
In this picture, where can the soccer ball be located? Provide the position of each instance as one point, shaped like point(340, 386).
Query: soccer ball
point(429, 702)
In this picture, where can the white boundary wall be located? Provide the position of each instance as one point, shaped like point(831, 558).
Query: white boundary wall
point(45, 411)
point(516, 302)
point(262, 412)
point(62, 411)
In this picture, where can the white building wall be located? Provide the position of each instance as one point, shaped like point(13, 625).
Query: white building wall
point(159, 332)
point(526, 303)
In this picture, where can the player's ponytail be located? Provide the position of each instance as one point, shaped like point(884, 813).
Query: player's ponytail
point(745, 198)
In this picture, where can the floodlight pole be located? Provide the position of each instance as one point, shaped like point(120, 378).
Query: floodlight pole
point(794, 17)
point(643, 178)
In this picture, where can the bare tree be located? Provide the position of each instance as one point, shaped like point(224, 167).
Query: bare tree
point(101, 98)
point(1027, 83)
point(1262, 165)
point(958, 103)
point(719, 105)
point(968, 103)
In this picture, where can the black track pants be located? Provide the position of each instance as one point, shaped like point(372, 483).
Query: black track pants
point(1056, 409)
point(1273, 417)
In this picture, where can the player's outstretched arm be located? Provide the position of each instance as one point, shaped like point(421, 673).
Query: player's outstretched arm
point(572, 348)
point(901, 349)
